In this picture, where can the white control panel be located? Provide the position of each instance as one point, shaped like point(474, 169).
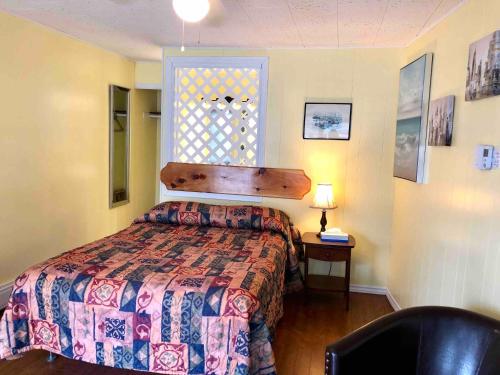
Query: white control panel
point(484, 157)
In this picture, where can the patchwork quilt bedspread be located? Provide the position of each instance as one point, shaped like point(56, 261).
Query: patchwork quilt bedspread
point(187, 289)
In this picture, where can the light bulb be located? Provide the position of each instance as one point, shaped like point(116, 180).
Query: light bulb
point(191, 10)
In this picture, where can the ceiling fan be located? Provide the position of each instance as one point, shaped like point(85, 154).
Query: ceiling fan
point(193, 11)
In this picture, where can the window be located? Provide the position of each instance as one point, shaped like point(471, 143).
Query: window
point(214, 110)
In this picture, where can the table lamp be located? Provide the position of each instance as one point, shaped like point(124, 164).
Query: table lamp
point(324, 200)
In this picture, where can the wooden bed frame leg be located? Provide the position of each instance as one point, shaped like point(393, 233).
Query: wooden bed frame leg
point(51, 358)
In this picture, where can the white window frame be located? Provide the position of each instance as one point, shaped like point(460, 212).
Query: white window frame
point(167, 113)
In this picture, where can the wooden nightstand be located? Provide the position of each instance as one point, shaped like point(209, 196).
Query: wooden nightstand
point(328, 252)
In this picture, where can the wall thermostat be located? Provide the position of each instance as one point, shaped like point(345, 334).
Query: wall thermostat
point(484, 157)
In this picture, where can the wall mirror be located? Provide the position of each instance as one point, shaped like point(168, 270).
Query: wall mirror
point(119, 145)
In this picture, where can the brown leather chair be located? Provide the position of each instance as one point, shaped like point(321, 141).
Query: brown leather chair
point(422, 340)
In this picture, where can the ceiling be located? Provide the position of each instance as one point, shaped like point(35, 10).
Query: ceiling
point(139, 28)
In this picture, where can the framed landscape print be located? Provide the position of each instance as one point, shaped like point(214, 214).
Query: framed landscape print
point(327, 121)
point(411, 127)
point(440, 122)
point(483, 68)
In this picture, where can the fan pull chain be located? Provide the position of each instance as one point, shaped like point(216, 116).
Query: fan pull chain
point(199, 34)
point(182, 45)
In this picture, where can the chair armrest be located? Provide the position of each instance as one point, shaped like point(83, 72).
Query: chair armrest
point(386, 345)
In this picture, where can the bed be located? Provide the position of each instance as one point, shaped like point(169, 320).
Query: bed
point(188, 288)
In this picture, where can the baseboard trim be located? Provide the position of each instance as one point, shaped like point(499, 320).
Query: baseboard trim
point(369, 289)
point(5, 290)
point(394, 303)
point(380, 290)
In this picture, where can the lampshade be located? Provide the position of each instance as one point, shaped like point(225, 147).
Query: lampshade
point(324, 197)
point(191, 10)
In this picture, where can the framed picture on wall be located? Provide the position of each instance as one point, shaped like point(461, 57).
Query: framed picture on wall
point(327, 121)
point(483, 68)
point(440, 123)
point(411, 126)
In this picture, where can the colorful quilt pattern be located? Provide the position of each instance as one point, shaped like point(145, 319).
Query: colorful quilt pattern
point(188, 288)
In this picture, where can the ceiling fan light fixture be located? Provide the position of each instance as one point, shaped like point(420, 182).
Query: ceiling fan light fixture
point(191, 10)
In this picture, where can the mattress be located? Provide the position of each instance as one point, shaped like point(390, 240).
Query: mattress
point(188, 288)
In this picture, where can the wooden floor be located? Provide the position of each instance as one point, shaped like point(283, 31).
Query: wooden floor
point(308, 326)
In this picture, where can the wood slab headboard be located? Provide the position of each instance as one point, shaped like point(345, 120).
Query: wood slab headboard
point(221, 179)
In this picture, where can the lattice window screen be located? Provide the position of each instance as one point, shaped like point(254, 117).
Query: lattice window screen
point(216, 115)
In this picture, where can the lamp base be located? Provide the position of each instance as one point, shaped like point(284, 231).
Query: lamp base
point(323, 223)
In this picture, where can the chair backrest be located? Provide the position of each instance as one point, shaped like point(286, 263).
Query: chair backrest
point(429, 340)
point(458, 342)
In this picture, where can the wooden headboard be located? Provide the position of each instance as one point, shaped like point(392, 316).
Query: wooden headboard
point(264, 182)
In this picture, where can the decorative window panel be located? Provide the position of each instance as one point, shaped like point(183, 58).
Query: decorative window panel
point(217, 110)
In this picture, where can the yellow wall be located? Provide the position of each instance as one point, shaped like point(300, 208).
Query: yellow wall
point(361, 169)
point(54, 144)
point(148, 74)
point(446, 237)
point(143, 154)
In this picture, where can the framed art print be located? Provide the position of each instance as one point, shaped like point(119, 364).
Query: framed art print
point(440, 122)
point(483, 68)
point(327, 121)
point(411, 126)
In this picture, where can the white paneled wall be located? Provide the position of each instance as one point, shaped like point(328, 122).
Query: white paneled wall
point(446, 237)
